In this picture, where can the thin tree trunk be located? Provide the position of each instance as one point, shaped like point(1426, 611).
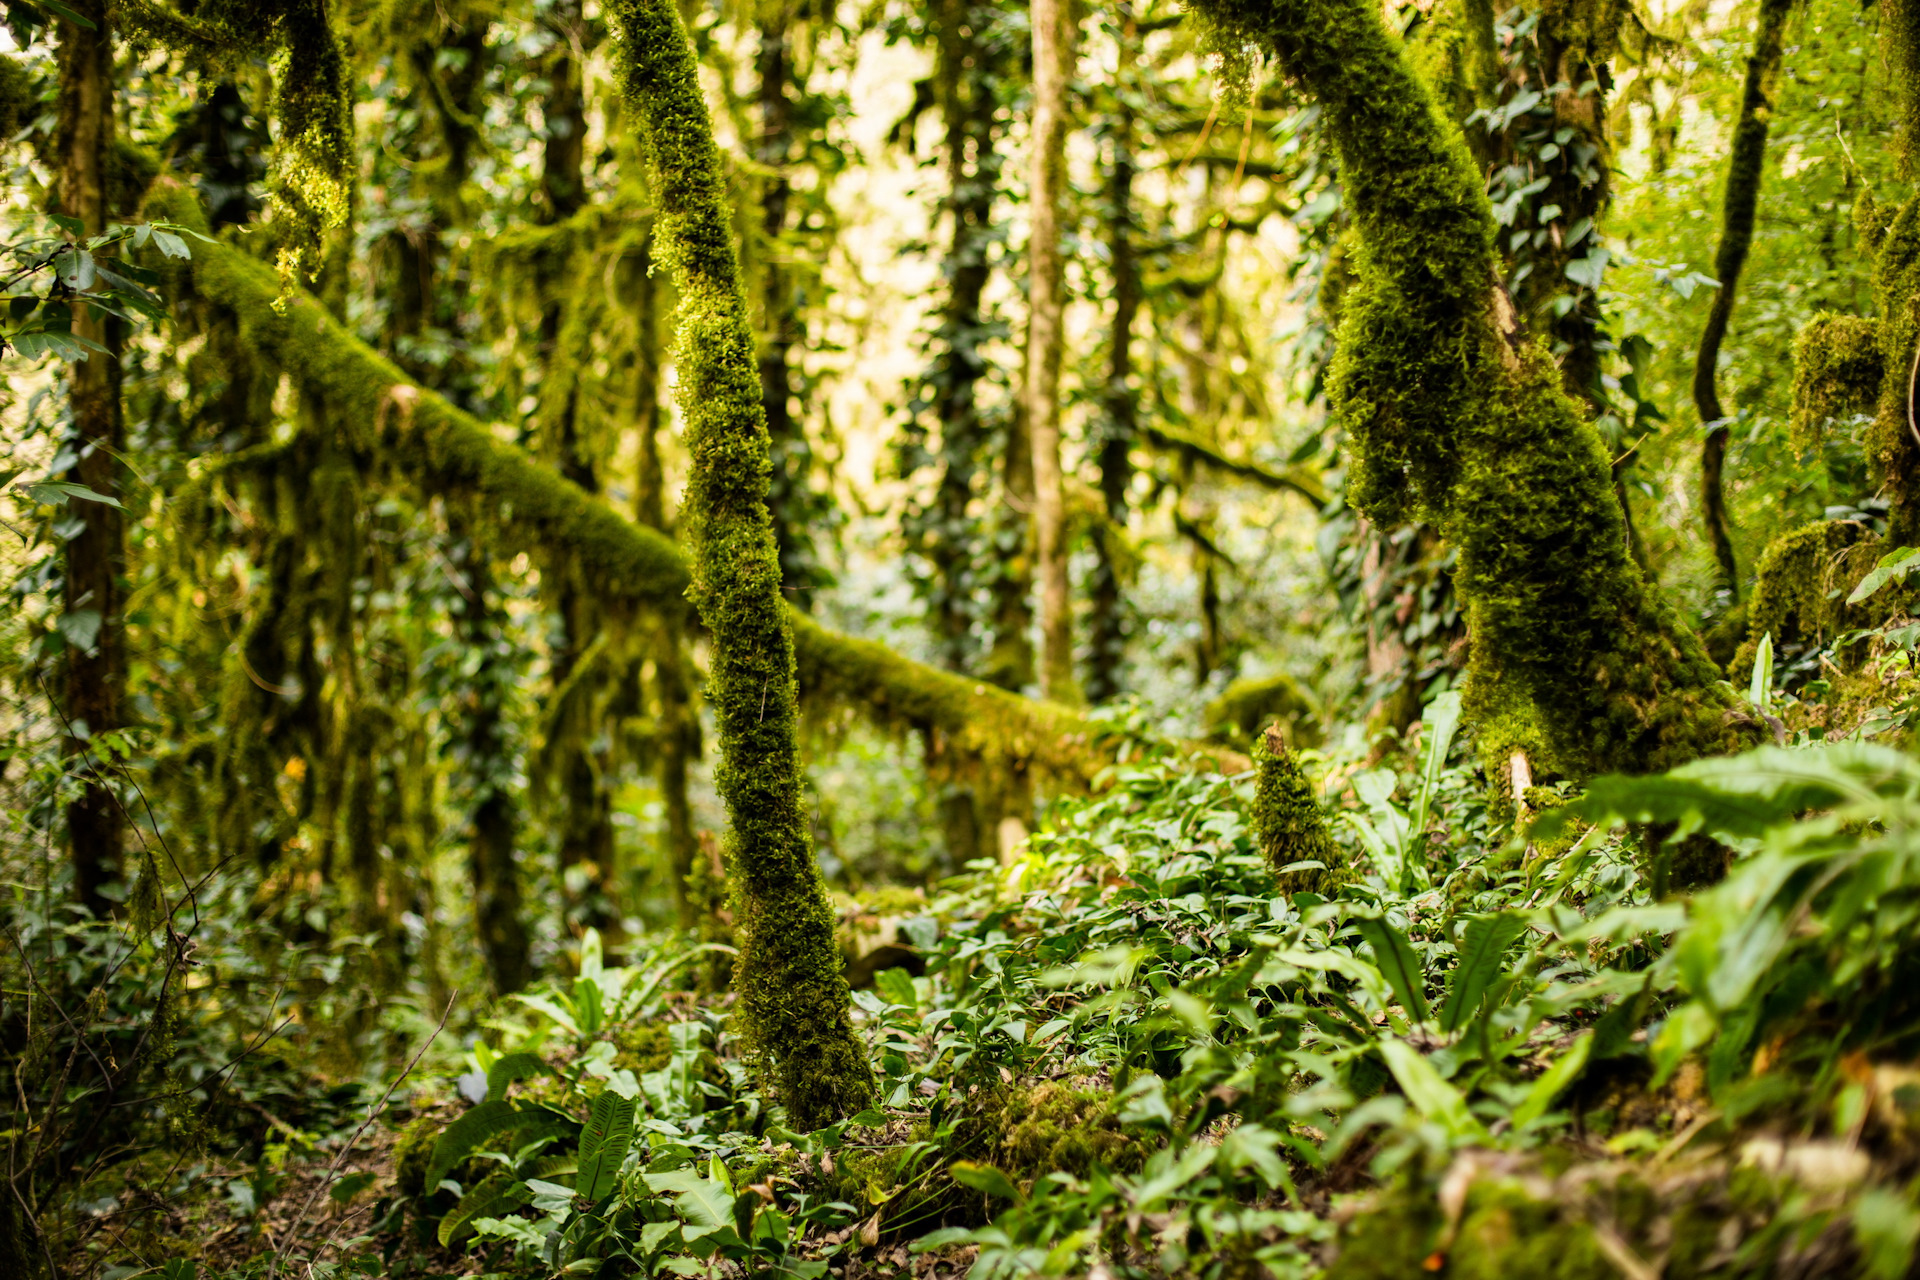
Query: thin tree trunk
point(1107, 625)
point(1053, 44)
point(1745, 169)
point(794, 1002)
point(95, 557)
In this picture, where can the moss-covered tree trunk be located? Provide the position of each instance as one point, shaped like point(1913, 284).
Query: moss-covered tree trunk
point(1054, 42)
point(793, 993)
point(1106, 623)
point(1454, 415)
point(1745, 166)
point(94, 561)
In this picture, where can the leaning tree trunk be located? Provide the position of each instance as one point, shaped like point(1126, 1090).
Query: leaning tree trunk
point(1745, 168)
point(793, 994)
point(1453, 415)
point(95, 556)
point(1053, 43)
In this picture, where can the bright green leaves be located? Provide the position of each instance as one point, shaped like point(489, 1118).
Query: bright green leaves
point(466, 1135)
point(1483, 948)
point(604, 1144)
point(1894, 566)
point(57, 267)
point(1396, 960)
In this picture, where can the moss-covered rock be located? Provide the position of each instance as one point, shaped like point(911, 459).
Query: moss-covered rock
point(412, 1154)
point(1801, 586)
point(1056, 1126)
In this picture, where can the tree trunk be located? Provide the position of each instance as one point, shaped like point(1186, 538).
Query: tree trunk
point(95, 556)
point(1746, 166)
point(794, 1000)
point(1053, 51)
point(1107, 635)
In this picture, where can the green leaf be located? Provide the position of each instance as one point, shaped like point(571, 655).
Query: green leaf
point(1431, 1096)
point(510, 1067)
point(1760, 688)
point(984, 1177)
point(80, 628)
point(1554, 1081)
point(55, 493)
point(491, 1197)
point(343, 1191)
point(489, 1119)
point(703, 1203)
point(79, 20)
point(896, 987)
point(604, 1144)
point(1398, 963)
point(1894, 565)
point(1483, 950)
point(171, 245)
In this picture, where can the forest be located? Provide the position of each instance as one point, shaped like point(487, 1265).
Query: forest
point(871, 640)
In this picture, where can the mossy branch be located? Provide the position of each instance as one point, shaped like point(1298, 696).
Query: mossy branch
point(443, 450)
point(1453, 413)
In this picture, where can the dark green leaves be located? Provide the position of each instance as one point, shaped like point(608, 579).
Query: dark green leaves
point(604, 1143)
point(1396, 959)
point(492, 1119)
point(511, 1067)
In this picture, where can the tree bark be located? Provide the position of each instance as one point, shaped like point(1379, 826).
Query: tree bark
point(1106, 626)
point(794, 1000)
point(95, 557)
point(1053, 51)
point(1745, 169)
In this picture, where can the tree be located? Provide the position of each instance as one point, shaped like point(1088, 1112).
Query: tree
point(793, 995)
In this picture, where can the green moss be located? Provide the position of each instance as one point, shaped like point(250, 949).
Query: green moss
point(1055, 1126)
point(1837, 373)
point(412, 1154)
point(794, 1002)
point(647, 1048)
point(1245, 707)
point(1288, 821)
point(1453, 415)
point(1801, 585)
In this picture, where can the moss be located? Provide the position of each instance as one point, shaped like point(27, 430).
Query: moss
point(647, 1048)
point(1247, 706)
point(1288, 821)
point(1837, 374)
point(1452, 415)
point(1055, 1126)
point(794, 1001)
point(1801, 585)
point(412, 1153)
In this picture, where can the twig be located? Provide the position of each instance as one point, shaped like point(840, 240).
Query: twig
point(294, 1227)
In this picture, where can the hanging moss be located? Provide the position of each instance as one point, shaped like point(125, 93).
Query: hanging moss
point(1288, 822)
point(1452, 415)
point(793, 996)
point(313, 102)
point(1838, 370)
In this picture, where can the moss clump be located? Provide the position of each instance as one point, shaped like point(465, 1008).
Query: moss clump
point(1247, 705)
point(647, 1048)
point(1454, 415)
point(411, 1156)
point(1838, 370)
point(1288, 822)
point(794, 1001)
point(1800, 589)
point(1056, 1127)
